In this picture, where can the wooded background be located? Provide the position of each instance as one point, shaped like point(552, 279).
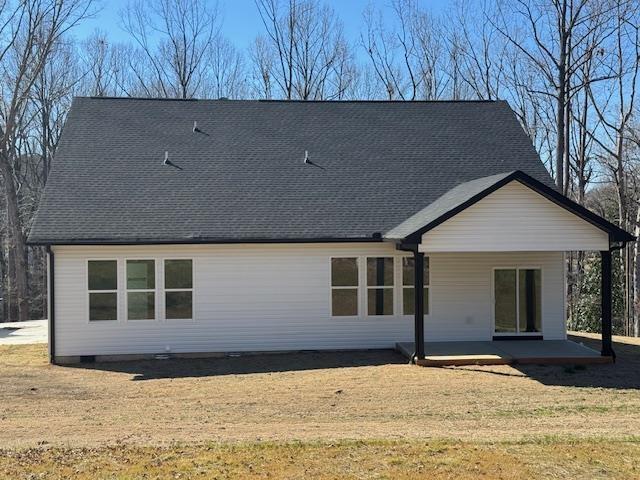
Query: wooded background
point(568, 68)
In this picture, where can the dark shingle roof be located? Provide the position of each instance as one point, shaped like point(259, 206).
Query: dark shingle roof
point(448, 202)
point(243, 178)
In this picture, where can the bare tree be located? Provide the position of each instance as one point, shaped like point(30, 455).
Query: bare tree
point(263, 64)
point(173, 37)
point(546, 34)
point(226, 75)
point(303, 54)
point(29, 32)
point(50, 102)
point(407, 60)
point(105, 67)
point(483, 55)
point(614, 106)
point(47, 110)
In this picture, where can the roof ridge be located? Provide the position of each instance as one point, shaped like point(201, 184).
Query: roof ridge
point(248, 100)
point(380, 101)
point(97, 97)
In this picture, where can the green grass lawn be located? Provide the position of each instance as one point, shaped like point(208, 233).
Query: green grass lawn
point(544, 459)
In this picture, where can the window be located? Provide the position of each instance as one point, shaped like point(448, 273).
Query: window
point(505, 301)
point(344, 287)
point(408, 282)
point(102, 279)
point(517, 300)
point(380, 286)
point(141, 293)
point(178, 287)
point(530, 296)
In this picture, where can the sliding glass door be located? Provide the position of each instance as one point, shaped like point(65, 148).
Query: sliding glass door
point(517, 301)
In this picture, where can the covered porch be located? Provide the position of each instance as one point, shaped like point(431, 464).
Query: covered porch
point(505, 352)
point(515, 217)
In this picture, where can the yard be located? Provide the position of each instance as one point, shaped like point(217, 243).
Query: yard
point(327, 415)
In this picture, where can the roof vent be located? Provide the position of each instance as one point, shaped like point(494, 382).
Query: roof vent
point(169, 162)
point(197, 129)
point(308, 161)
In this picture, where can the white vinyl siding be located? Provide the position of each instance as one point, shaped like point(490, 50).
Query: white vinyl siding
point(461, 293)
point(246, 298)
point(278, 297)
point(514, 218)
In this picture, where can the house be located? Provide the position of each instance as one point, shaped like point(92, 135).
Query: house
point(208, 226)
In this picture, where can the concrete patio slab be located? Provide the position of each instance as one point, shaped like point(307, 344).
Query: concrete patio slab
point(545, 348)
point(504, 352)
point(20, 333)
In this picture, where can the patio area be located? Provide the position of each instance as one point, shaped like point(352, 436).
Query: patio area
point(504, 352)
point(21, 333)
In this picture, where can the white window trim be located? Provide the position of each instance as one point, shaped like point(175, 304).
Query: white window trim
point(164, 290)
point(393, 288)
point(89, 292)
point(362, 288)
point(140, 290)
point(517, 268)
point(356, 287)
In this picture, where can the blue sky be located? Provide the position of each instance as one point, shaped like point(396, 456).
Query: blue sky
point(241, 22)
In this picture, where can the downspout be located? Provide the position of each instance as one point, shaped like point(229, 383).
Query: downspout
point(52, 307)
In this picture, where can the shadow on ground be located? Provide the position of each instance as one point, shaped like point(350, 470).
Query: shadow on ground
point(623, 374)
point(246, 364)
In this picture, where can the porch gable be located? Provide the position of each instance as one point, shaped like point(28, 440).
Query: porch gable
point(514, 218)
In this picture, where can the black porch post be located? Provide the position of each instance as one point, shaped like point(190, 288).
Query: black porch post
point(418, 285)
point(605, 298)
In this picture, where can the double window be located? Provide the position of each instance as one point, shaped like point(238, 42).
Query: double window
point(141, 289)
point(384, 279)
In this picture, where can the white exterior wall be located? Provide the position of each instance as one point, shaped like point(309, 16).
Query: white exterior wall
point(462, 293)
point(277, 297)
point(514, 218)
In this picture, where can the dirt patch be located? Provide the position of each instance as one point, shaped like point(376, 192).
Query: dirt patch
point(312, 396)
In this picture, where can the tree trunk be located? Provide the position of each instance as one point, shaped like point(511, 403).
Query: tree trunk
point(16, 243)
point(567, 148)
point(636, 272)
point(560, 139)
point(4, 281)
point(561, 100)
point(622, 221)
